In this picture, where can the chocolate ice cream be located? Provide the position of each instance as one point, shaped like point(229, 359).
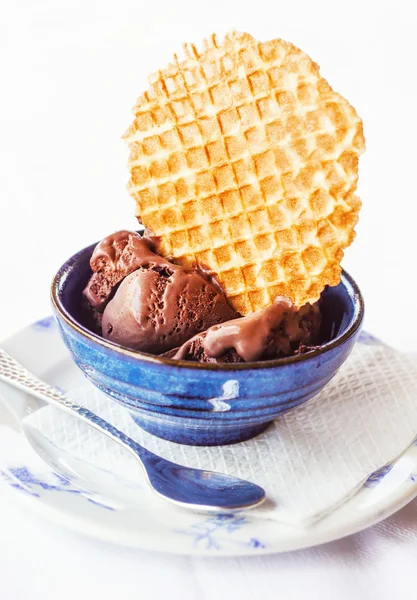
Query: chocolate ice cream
point(276, 331)
point(149, 303)
point(115, 257)
point(157, 308)
point(145, 302)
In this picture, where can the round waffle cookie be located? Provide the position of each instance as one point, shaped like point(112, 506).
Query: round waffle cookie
point(245, 161)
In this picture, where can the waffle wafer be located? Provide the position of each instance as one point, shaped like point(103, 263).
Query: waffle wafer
point(244, 160)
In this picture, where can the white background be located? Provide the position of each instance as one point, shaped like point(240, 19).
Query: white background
point(70, 72)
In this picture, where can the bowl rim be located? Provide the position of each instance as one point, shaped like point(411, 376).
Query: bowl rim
point(351, 329)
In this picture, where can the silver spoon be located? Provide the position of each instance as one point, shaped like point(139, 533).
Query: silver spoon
point(184, 486)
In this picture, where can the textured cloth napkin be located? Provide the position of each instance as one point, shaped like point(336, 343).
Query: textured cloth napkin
point(309, 462)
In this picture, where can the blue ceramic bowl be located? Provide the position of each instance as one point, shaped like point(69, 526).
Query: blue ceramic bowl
point(204, 404)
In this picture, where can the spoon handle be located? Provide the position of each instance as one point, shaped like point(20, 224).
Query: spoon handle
point(11, 371)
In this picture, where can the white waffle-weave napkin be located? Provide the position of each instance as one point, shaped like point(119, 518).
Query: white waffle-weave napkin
point(309, 462)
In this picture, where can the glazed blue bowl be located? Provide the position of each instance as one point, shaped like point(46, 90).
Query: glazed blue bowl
point(204, 404)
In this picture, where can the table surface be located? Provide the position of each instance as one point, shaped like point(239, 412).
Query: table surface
point(71, 73)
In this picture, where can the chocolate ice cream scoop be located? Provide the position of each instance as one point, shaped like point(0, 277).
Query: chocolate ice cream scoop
point(278, 330)
point(115, 257)
point(161, 305)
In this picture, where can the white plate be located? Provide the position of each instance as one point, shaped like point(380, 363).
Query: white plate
point(92, 504)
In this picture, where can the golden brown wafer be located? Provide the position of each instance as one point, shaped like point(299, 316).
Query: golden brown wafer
point(244, 160)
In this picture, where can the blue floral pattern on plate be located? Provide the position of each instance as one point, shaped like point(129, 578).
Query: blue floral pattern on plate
point(368, 339)
point(377, 476)
point(22, 478)
point(45, 324)
point(218, 530)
